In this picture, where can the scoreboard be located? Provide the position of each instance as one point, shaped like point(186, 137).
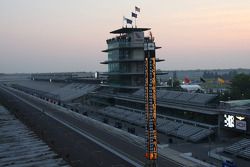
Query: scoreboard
point(237, 122)
point(150, 101)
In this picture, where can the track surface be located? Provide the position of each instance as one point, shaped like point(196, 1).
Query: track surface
point(74, 147)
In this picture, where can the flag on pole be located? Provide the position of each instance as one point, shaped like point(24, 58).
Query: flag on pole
point(137, 9)
point(187, 80)
point(134, 15)
point(202, 80)
point(128, 20)
point(220, 80)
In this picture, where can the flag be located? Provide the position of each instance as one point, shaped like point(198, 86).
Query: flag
point(202, 80)
point(134, 15)
point(137, 9)
point(129, 21)
point(187, 80)
point(220, 80)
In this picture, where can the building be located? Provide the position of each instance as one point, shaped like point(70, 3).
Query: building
point(126, 59)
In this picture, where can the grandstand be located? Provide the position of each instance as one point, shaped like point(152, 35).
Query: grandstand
point(186, 126)
point(74, 91)
point(56, 91)
point(180, 97)
point(69, 77)
point(53, 76)
point(40, 85)
point(240, 148)
point(201, 134)
point(178, 105)
point(181, 114)
point(165, 124)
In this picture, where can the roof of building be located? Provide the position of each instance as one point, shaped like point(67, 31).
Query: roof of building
point(128, 60)
point(59, 91)
point(120, 86)
point(128, 30)
point(237, 110)
point(195, 102)
point(181, 97)
point(238, 103)
point(21, 147)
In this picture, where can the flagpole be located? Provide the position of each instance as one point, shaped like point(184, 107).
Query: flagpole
point(137, 10)
point(135, 23)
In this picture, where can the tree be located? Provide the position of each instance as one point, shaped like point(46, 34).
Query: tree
point(176, 84)
point(170, 82)
point(240, 87)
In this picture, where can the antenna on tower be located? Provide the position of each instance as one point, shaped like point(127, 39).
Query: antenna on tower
point(151, 36)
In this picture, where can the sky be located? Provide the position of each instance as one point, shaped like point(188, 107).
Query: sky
point(66, 35)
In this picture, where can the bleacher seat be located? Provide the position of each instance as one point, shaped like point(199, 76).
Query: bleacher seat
point(185, 131)
point(180, 97)
point(201, 135)
point(238, 146)
point(245, 153)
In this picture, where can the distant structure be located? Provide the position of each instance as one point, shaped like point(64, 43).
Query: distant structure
point(126, 59)
point(69, 77)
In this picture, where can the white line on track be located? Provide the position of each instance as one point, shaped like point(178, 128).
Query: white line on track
point(81, 132)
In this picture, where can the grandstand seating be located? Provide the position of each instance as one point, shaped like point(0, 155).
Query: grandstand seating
point(240, 148)
point(74, 90)
point(245, 153)
point(187, 130)
point(140, 92)
point(202, 98)
point(40, 86)
point(180, 97)
point(62, 91)
point(160, 93)
point(170, 127)
point(161, 122)
point(186, 96)
point(172, 95)
point(179, 129)
point(201, 135)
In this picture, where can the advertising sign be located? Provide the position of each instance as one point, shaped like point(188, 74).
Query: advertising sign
point(241, 125)
point(228, 121)
point(235, 121)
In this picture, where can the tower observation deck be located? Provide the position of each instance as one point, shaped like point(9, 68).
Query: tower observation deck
point(126, 58)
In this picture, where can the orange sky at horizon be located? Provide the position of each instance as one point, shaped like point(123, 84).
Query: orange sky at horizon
point(68, 32)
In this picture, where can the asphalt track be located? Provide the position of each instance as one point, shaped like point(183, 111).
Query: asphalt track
point(75, 140)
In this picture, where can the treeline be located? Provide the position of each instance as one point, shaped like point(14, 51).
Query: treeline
point(239, 88)
point(227, 76)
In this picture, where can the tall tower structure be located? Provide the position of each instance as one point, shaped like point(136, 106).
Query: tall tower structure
point(150, 102)
point(126, 59)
